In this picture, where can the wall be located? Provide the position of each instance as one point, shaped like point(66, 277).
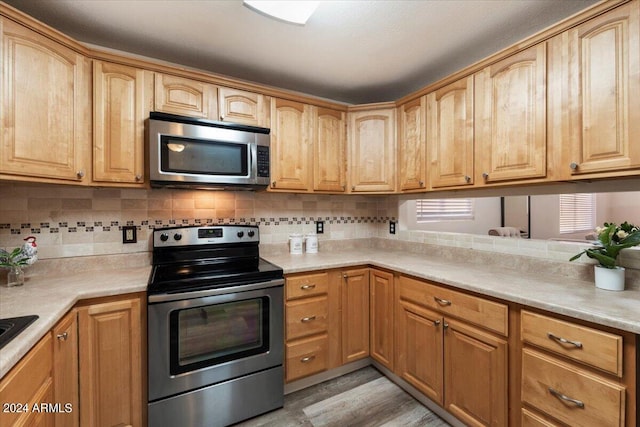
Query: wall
point(73, 221)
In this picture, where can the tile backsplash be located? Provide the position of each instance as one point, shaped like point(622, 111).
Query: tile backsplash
point(75, 221)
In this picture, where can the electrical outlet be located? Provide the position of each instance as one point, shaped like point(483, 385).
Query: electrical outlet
point(319, 227)
point(129, 234)
point(392, 227)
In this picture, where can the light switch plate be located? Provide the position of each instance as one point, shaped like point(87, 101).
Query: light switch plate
point(129, 234)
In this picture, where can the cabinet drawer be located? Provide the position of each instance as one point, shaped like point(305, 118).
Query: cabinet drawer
point(548, 383)
point(529, 419)
point(306, 285)
point(487, 314)
point(305, 357)
point(590, 346)
point(307, 316)
point(26, 382)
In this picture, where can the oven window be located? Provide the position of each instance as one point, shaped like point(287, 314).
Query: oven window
point(214, 334)
point(203, 157)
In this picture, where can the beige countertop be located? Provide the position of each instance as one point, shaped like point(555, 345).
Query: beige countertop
point(50, 297)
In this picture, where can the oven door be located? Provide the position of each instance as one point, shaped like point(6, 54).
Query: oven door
point(201, 338)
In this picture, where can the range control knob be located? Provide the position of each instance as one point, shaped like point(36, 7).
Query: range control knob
point(240, 234)
point(251, 233)
point(177, 236)
point(164, 237)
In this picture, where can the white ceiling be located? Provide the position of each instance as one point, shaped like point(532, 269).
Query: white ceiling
point(350, 51)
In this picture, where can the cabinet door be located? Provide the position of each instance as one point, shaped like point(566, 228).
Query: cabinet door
point(381, 322)
point(372, 150)
point(239, 106)
point(111, 364)
point(45, 112)
point(329, 165)
point(411, 145)
point(419, 349)
point(450, 134)
point(604, 92)
point(511, 117)
point(355, 315)
point(186, 97)
point(290, 145)
point(65, 369)
point(119, 112)
point(475, 375)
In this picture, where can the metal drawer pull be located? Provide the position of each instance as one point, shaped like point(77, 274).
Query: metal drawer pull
point(305, 287)
point(307, 319)
point(578, 344)
point(442, 301)
point(561, 396)
point(307, 359)
point(63, 336)
point(436, 322)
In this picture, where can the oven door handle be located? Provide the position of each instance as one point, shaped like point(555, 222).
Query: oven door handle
point(167, 297)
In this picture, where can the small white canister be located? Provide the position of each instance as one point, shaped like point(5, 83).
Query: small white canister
point(312, 243)
point(295, 243)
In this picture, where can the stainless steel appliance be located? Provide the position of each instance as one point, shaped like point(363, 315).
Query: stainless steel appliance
point(190, 152)
point(215, 327)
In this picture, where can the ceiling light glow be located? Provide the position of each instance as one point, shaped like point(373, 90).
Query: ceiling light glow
point(297, 12)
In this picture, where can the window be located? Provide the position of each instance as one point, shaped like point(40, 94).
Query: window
point(577, 212)
point(429, 210)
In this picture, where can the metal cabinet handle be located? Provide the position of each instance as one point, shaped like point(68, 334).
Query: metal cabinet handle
point(441, 301)
point(344, 187)
point(63, 336)
point(138, 177)
point(306, 287)
point(556, 393)
point(421, 183)
point(80, 174)
point(273, 184)
point(307, 359)
point(573, 166)
point(446, 325)
point(467, 178)
point(308, 319)
point(578, 344)
point(485, 175)
point(436, 322)
point(353, 188)
point(344, 276)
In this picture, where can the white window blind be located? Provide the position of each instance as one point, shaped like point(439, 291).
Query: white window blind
point(577, 213)
point(428, 210)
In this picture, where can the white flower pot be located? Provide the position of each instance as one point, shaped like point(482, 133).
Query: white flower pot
point(611, 279)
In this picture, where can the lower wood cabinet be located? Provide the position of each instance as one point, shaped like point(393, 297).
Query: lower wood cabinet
point(28, 384)
point(355, 315)
point(381, 317)
point(458, 365)
point(66, 369)
point(111, 363)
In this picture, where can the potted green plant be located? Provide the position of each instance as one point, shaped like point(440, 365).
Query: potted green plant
point(612, 238)
point(14, 261)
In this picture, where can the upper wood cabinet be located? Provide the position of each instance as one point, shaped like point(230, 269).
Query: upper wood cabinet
point(595, 68)
point(510, 119)
point(46, 108)
point(121, 103)
point(411, 145)
point(450, 136)
point(372, 149)
point(329, 144)
point(290, 126)
point(186, 97)
point(240, 106)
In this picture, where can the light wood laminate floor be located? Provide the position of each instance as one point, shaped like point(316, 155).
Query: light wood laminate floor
point(361, 398)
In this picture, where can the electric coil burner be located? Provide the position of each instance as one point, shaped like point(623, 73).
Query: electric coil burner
point(215, 327)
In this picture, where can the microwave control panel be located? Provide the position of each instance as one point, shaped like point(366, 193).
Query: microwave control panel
point(263, 161)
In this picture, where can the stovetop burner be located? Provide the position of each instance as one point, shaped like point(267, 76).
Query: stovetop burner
point(195, 258)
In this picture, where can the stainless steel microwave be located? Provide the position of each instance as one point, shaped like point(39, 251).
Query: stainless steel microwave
point(197, 153)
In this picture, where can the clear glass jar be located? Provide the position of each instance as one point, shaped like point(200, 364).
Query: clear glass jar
point(15, 277)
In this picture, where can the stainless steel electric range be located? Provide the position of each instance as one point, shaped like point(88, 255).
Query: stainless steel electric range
point(215, 327)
